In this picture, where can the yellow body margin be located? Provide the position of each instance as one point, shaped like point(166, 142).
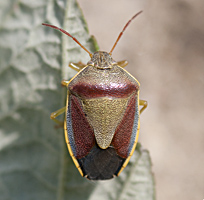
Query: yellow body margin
point(135, 143)
point(67, 140)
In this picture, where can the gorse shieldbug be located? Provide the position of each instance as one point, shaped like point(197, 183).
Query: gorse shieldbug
point(102, 114)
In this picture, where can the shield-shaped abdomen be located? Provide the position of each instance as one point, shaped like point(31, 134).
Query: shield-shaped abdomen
point(102, 120)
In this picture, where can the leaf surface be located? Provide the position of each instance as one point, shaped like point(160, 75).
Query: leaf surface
point(34, 161)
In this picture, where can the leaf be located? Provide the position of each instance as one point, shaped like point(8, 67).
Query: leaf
point(34, 161)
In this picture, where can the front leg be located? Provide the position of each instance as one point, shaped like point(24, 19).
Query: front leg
point(123, 63)
point(77, 66)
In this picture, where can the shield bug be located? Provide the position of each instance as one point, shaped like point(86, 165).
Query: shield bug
point(101, 114)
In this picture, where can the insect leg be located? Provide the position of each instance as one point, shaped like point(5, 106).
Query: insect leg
point(123, 63)
point(77, 66)
point(56, 114)
point(64, 83)
point(144, 104)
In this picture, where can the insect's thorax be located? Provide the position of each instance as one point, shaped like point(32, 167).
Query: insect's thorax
point(111, 82)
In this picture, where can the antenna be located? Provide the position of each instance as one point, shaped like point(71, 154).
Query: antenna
point(121, 33)
point(63, 31)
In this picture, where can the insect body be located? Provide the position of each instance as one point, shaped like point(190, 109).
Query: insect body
point(102, 114)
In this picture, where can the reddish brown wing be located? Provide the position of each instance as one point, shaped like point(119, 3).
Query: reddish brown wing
point(80, 133)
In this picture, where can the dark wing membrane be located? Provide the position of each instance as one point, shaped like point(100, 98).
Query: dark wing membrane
point(101, 164)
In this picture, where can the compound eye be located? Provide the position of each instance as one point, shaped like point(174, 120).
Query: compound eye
point(90, 62)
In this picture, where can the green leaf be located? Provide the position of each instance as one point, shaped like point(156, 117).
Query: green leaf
point(34, 161)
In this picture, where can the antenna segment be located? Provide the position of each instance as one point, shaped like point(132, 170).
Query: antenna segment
point(63, 31)
point(121, 33)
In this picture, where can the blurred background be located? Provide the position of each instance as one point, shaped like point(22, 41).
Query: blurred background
point(165, 50)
